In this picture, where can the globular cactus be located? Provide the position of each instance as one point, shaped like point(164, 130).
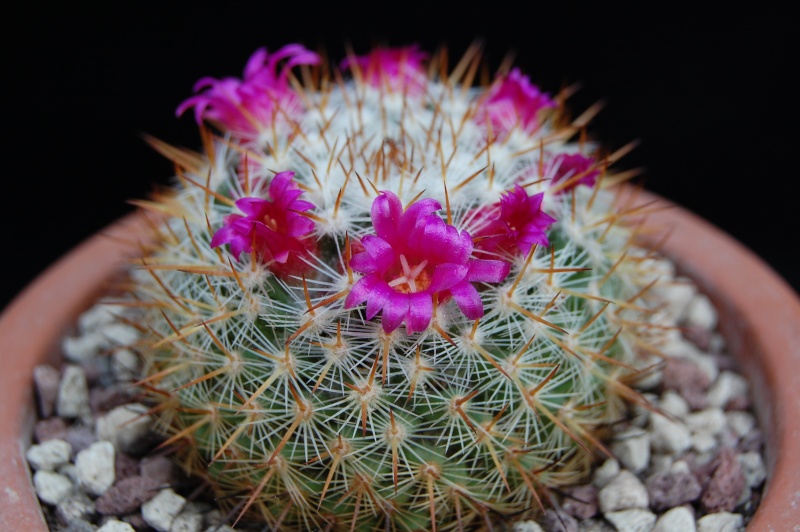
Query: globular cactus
point(385, 296)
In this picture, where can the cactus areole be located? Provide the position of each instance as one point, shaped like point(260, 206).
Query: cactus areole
point(385, 296)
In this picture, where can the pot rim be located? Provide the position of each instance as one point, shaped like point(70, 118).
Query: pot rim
point(759, 318)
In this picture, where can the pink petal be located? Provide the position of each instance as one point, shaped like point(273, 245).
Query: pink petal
point(380, 251)
point(395, 311)
point(420, 312)
point(386, 212)
point(468, 300)
point(446, 276)
point(363, 263)
point(487, 271)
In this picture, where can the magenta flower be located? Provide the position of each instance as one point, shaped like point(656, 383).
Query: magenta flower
point(514, 102)
point(396, 69)
point(248, 105)
point(271, 229)
point(515, 224)
point(565, 166)
point(413, 257)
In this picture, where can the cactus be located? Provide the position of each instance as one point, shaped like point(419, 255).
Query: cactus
point(386, 296)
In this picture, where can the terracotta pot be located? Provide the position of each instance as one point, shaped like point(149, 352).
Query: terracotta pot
point(759, 317)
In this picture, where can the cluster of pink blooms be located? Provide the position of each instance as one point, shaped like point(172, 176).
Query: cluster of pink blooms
point(396, 69)
point(513, 226)
point(513, 101)
point(414, 260)
point(245, 106)
point(273, 230)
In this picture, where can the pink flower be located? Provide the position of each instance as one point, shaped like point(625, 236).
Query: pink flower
point(271, 229)
point(396, 69)
point(515, 224)
point(565, 166)
point(248, 105)
point(514, 102)
point(413, 257)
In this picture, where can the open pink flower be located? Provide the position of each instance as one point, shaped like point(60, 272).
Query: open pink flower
point(396, 69)
point(271, 229)
point(514, 102)
point(413, 257)
point(515, 224)
point(566, 166)
point(247, 105)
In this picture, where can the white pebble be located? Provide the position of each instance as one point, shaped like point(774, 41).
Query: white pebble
point(659, 463)
point(77, 506)
point(124, 365)
point(624, 492)
point(49, 455)
point(709, 421)
point(720, 522)
point(160, 511)
point(112, 525)
point(677, 296)
point(703, 442)
point(680, 467)
point(753, 468)
point(73, 393)
point(635, 520)
point(674, 404)
point(51, 487)
point(189, 522)
point(124, 426)
point(728, 386)
point(526, 526)
point(701, 313)
point(69, 471)
point(99, 315)
point(119, 334)
point(676, 519)
point(632, 449)
point(605, 473)
point(669, 436)
point(83, 348)
point(741, 423)
point(95, 467)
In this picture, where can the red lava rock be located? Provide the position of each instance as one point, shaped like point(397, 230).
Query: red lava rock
point(699, 336)
point(581, 501)
point(103, 399)
point(46, 378)
point(668, 490)
point(687, 379)
point(752, 441)
point(553, 521)
point(741, 402)
point(80, 437)
point(48, 429)
point(726, 484)
point(126, 495)
point(125, 466)
point(137, 521)
point(160, 469)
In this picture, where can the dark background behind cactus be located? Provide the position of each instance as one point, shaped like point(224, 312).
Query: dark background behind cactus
point(706, 92)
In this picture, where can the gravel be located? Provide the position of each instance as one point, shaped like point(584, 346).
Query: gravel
point(695, 464)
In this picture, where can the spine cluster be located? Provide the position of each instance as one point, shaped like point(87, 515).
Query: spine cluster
point(385, 295)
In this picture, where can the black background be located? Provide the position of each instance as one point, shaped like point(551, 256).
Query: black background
point(706, 90)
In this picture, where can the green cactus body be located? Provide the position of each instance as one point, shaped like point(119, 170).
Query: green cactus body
point(305, 414)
